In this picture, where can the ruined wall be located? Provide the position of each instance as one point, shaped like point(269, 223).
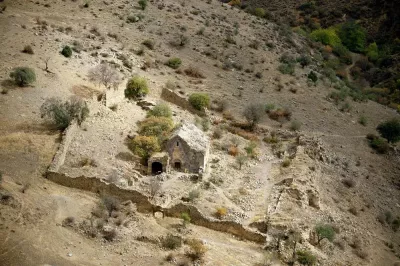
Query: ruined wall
point(179, 100)
point(141, 200)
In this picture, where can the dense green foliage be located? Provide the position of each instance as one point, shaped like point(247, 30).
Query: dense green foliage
point(390, 130)
point(287, 68)
point(326, 36)
point(143, 4)
point(66, 51)
point(372, 52)
point(144, 146)
point(62, 113)
point(325, 231)
point(136, 88)
point(353, 36)
point(155, 126)
point(23, 76)
point(199, 100)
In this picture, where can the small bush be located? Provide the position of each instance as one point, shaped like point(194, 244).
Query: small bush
point(380, 145)
point(174, 63)
point(362, 120)
point(240, 160)
point(253, 114)
point(69, 221)
point(23, 76)
point(193, 72)
point(198, 250)
point(186, 218)
point(251, 149)
point(295, 125)
point(66, 51)
point(171, 242)
point(136, 87)
point(28, 50)
point(143, 4)
point(286, 162)
point(349, 182)
point(280, 113)
point(160, 110)
point(110, 235)
point(233, 151)
point(372, 52)
point(390, 130)
point(304, 60)
point(217, 133)
point(325, 231)
point(110, 204)
point(221, 212)
point(149, 44)
point(62, 113)
point(306, 258)
point(193, 195)
point(286, 69)
point(199, 100)
point(144, 146)
point(312, 76)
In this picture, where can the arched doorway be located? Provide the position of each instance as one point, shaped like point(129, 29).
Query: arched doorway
point(156, 168)
point(177, 165)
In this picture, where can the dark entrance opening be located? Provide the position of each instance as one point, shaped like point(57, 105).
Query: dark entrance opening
point(177, 165)
point(156, 168)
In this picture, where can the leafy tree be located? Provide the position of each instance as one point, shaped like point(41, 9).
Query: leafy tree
point(390, 130)
point(144, 146)
point(23, 76)
point(62, 113)
point(199, 100)
point(156, 126)
point(160, 110)
point(353, 36)
point(136, 88)
point(253, 114)
point(325, 231)
point(143, 4)
point(373, 52)
point(326, 36)
point(66, 51)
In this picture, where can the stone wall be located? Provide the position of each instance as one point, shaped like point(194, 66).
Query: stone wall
point(179, 100)
point(143, 204)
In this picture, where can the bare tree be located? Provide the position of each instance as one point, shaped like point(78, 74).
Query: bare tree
point(104, 74)
point(253, 114)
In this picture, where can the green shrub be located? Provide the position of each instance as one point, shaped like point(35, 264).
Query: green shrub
point(390, 130)
point(66, 51)
point(143, 4)
point(377, 143)
point(353, 36)
point(306, 258)
point(23, 76)
point(304, 60)
point(287, 58)
point(160, 110)
point(62, 113)
point(156, 126)
point(325, 231)
point(186, 218)
point(372, 52)
point(312, 76)
point(295, 125)
point(286, 69)
point(343, 53)
point(144, 146)
point(136, 88)
point(193, 195)
point(259, 12)
point(326, 36)
point(174, 63)
point(362, 120)
point(199, 100)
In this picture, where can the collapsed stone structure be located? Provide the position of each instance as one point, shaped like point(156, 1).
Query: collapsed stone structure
point(187, 151)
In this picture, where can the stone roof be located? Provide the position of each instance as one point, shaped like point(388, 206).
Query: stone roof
point(193, 136)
